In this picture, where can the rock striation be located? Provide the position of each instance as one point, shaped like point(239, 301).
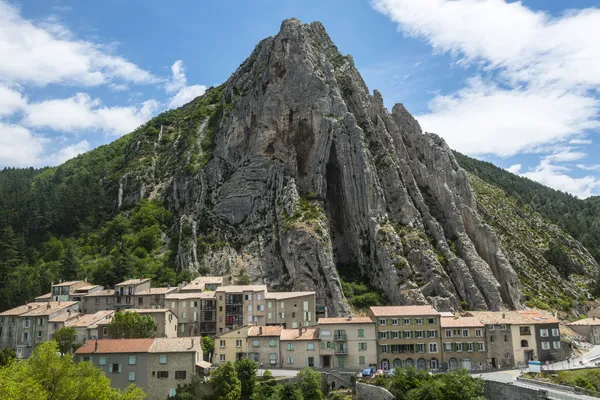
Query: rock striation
point(301, 174)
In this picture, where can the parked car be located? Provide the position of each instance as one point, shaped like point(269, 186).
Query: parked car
point(368, 372)
point(380, 372)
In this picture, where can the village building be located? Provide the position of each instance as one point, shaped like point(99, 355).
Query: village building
point(589, 328)
point(196, 312)
point(463, 343)
point(263, 345)
point(348, 343)
point(231, 346)
point(299, 348)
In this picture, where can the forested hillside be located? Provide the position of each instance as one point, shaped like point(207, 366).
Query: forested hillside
point(580, 218)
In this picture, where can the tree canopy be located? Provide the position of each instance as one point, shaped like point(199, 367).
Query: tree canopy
point(65, 339)
point(132, 325)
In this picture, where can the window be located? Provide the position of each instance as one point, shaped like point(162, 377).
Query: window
point(448, 332)
point(97, 300)
point(406, 321)
point(247, 297)
point(421, 348)
point(180, 375)
point(290, 360)
point(290, 347)
point(556, 344)
point(383, 335)
point(163, 359)
point(222, 344)
point(102, 360)
point(272, 343)
point(524, 330)
point(491, 327)
point(506, 338)
point(395, 335)
point(361, 360)
point(481, 346)
point(132, 376)
point(305, 306)
point(382, 322)
point(131, 360)
point(172, 392)
point(544, 332)
point(238, 342)
point(433, 348)
point(469, 346)
point(419, 334)
point(465, 332)
point(310, 346)
point(109, 300)
point(361, 332)
point(222, 357)
point(181, 327)
point(447, 346)
point(256, 343)
point(281, 304)
point(26, 323)
point(260, 307)
point(39, 334)
point(250, 308)
point(270, 315)
point(419, 321)
point(394, 322)
point(431, 320)
point(555, 332)
point(478, 332)
point(545, 345)
point(362, 346)
point(459, 347)
point(293, 315)
point(385, 348)
point(114, 368)
point(105, 330)
point(524, 343)
point(407, 334)
point(431, 334)
point(258, 296)
point(162, 374)
point(504, 327)
point(272, 357)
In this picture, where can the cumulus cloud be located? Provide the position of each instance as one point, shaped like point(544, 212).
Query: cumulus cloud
point(67, 152)
point(11, 101)
point(515, 168)
point(178, 85)
point(81, 112)
point(47, 53)
point(556, 176)
point(19, 147)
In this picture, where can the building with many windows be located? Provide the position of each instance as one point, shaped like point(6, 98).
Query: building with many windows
point(166, 323)
point(407, 335)
point(589, 328)
point(231, 346)
point(299, 348)
point(263, 345)
point(203, 283)
point(348, 343)
point(196, 311)
point(463, 343)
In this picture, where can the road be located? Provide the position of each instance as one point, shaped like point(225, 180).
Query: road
point(280, 372)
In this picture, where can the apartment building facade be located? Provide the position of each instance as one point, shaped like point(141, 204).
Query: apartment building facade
point(407, 336)
point(196, 312)
point(101, 300)
point(125, 292)
point(166, 323)
point(589, 328)
point(348, 343)
point(86, 325)
point(299, 348)
point(263, 345)
point(231, 346)
point(203, 283)
point(71, 291)
point(463, 344)
point(153, 298)
point(546, 333)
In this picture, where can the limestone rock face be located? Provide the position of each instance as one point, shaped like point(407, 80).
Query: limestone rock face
point(311, 176)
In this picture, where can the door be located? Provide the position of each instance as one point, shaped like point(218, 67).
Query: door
point(452, 363)
point(326, 361)
point(421, 364)
point(311, 361)
point(494, 362)
point(385, 364)
point(466, 364)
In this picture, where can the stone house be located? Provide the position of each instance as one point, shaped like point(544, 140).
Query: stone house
point(348, 343)
point(263, 345)
point(589, 328)
point(196, 312)
point(299, 348)
point(407, 336)
point(463, 343)
point(125, 292)
point(86, 325)
point(100, 300)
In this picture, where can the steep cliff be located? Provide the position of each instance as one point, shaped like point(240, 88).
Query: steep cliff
point(291, 173)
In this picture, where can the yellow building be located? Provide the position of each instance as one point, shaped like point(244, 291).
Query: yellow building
point(463, 343)
point(231, 346)
point(407, 336)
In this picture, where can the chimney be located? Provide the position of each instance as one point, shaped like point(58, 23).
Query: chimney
point(260, 330)
point(69, 312)
point(96, 346)
point(503, 315)
point(48, 306)
point(29, 307)
point(299, 329)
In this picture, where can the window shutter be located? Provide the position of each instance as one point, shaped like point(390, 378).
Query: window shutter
point(476, 346)
point(110, 368)
point(120, 367)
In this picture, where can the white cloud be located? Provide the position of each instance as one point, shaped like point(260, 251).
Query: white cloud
point(565, 155)
point(555, 177)
point(515, 168)
point(66, 153)
point(178, 85)
point(81, 113)
point(47, 52)
point(543, 71)
point(580, 141)
point(589, 167)
point(11, 101)
point(19, 147)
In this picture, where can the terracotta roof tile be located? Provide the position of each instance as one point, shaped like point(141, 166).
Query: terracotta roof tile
point(293, 334)
point(105, 292)
point(286, 295)
point(22, 309)
point(49, 308)
point(201, 281)
point(116, 346)
point(176, 345)
point(255, 331)
point(70, 283)
point(133, 282)
point(242, 288)
point(158, 290)
point(85, 320)
point(190, 295)
point(44, 296)
point(460, 322)
point(345, 320)
point(585, 322)
point(393, 311)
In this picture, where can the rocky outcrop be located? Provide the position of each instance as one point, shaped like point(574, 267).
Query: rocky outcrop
point(308, 175)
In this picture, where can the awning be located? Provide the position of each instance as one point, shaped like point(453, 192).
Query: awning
point(203, 364)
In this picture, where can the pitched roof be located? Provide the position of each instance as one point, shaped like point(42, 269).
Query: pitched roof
point(44, 296)
point(148, 310)
point(190, 295)
point(539, 317)
point(521, 317)
point(176, 345)
point(133, 282)
point(294, 334)
point(446, 314)
point(70, 283)
point(256, 331)
point(345, 320)
point(87, 287)
point(22, 309)
point(85, 320)
point(393, 311)
point(116, 346)
point(460, 322)
point(287, 295)
point(63, 317)
point(200, 282)
point(242, 288)
point(158, 290)
point(105, 292)
point(49, 308)
point(585, 322)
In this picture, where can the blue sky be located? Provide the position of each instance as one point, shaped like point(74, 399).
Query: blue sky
point(513, 83)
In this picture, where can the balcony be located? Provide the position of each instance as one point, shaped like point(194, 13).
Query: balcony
point(340, 351)
point(339, 337)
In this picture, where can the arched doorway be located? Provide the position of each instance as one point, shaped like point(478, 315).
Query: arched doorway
point(467, 364)
point(385, 364)
point(409, 363)
point(434, 364)
point(421, 364)
point(397, 363)
point(452, 363)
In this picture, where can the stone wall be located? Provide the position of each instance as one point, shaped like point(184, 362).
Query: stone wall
point(506, 391)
